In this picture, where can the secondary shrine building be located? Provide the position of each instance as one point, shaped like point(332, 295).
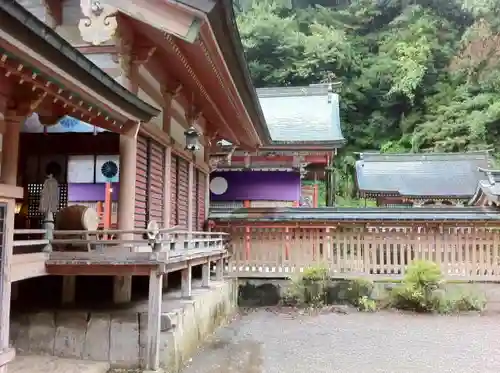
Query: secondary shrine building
point(305, 133)
point(422, 179)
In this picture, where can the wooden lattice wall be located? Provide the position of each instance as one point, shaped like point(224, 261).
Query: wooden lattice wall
point(156, 180)
point(183, 188)
point(200, 199)
point(141, 183)
point(150, 176)
point(174, 191)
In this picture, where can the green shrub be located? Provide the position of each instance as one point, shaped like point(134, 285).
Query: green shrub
point(424, 274)
point(315, 274)
point(357, 289)
point(422, 291)
point(366, 304)
point(308, 288)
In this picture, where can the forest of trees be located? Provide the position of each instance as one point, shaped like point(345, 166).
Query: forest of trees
point(417, 76)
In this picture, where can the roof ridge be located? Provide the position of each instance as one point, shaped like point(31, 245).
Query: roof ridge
point(292, 91)
point(436, 157)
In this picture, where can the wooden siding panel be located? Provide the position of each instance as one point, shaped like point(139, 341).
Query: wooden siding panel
point(174, 217)
point(157, 178)
point(182, 197)
point(201, 188)
point(141, 183)
point(194, 201)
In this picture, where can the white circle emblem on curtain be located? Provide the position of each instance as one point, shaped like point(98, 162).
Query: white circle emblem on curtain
point(218, 185)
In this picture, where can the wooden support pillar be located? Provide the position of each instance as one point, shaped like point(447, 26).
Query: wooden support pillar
point(205, 275)
point(187, 282)
point(207, 195)
point(191, 192)
point(5, 283)
point(10, 149)
point(167, 188)
point(168, 94)
point(219, 270)
point(154, 320)
point(207, 183)
point(129, 66)
point(122, 288)
point(68, 290)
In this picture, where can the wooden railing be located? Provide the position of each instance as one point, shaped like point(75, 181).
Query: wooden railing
point(170, 246)
point(140, 240)
point(471, 253)
point(30, 240)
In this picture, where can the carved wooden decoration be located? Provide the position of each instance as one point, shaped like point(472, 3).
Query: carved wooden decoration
point(99, 24)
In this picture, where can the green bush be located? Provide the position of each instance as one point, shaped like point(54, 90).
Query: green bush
point(424, 274)
point(308, 288)
point(422, 291)
point(315, 274)
point(366, 304)
point(357, 289)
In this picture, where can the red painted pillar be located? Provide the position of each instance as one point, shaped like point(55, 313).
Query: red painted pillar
point(248, 236)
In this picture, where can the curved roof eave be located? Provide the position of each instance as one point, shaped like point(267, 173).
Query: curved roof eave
point(20, 22)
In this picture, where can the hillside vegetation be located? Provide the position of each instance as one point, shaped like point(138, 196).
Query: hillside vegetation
point(417, 76)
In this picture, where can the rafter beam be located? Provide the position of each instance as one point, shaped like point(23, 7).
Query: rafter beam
point(54, 9)
point(172, 47)
point(167, 45)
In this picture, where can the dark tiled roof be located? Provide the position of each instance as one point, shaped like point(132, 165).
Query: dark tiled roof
point(489, 187)
point(330, 214)
point(431, 174)
point(301, 114)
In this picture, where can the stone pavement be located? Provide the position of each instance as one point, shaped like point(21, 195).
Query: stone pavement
point(384, 342)
point(49, 364)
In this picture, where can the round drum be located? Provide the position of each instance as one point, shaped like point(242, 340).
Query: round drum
point(77, 218)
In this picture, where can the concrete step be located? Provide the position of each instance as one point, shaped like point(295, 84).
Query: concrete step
point(50, 364)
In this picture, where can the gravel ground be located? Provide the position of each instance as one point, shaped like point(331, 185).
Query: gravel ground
point(267, 341)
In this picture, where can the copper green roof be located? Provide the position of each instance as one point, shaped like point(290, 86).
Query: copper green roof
point(331, 214)
point(301, 114)
point(453, 175)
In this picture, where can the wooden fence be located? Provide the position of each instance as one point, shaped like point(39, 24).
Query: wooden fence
point(470, 253)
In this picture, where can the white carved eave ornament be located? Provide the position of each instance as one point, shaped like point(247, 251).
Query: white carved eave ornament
point(99, 24)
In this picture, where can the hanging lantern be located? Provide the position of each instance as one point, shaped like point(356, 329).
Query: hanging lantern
point(192, 142)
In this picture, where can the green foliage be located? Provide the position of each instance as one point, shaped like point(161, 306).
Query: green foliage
point(357, 289)
point(359, 293)
point(416, 75)
point(424, 274)
point(309, 288)
point(366, 304)
point(422, 290)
